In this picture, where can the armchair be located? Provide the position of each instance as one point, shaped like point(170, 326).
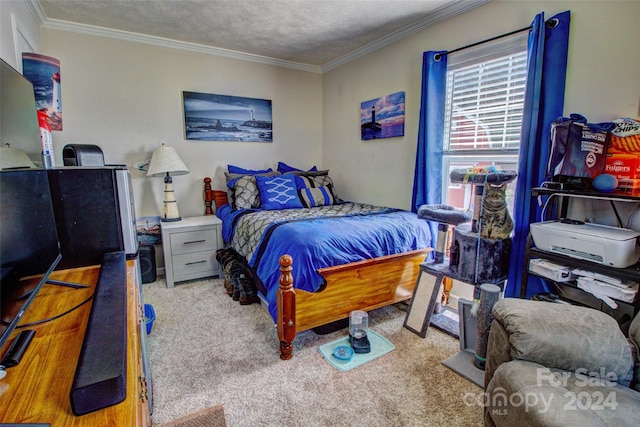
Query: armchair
point(551, 364)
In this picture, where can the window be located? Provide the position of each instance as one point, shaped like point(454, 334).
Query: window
point(484, 106)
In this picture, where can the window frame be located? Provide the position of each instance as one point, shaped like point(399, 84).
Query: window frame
point(515, 44)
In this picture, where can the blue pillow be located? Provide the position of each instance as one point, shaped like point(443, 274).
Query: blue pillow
point(278, 192)
point(283, 168)
point(237, 169)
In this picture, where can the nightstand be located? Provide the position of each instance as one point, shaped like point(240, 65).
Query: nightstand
point(190, 247)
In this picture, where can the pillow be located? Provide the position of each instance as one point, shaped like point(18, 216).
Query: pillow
point(245, 193)
point(243, 190)
point(237, 169)
point(283, 168)
point(307, 179)
point(316, 180)
point(278, 192)
point(313, 197)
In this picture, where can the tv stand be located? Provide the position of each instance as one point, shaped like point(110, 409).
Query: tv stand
point(37, 389)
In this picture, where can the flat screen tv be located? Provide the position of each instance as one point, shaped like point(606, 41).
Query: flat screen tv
point(29, 247)
point(18, 114)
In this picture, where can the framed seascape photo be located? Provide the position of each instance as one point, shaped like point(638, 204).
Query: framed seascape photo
point(382, 117)
point(209, 117)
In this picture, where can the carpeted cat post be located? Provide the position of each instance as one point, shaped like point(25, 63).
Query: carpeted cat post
point(489, 295)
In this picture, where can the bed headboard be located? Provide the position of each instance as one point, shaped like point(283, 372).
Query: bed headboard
point(216, 196)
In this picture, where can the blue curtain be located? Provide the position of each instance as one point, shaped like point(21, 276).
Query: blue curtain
point(544, 99)
point(427, 179)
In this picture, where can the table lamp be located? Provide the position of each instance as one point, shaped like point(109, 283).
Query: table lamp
point(166, 162)
point(13, 158)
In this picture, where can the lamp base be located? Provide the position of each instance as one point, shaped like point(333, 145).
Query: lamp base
point(171, 219)
point(170, 210)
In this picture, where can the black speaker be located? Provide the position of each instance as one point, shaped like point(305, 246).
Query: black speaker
point(147, 256)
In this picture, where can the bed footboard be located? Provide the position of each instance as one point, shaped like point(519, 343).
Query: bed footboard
point(363, 285)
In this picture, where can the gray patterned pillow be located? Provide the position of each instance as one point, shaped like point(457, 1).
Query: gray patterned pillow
point(243, 190)
point(246, 193)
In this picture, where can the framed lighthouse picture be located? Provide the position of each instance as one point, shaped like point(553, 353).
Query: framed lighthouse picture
point(213, 117)
point(382, 117)
point(44, 73)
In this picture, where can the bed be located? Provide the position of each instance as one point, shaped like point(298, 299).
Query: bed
point(315, 264)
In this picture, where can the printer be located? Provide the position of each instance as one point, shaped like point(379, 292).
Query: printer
point(602, 244)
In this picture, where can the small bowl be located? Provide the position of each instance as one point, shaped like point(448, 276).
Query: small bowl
point(343, 352)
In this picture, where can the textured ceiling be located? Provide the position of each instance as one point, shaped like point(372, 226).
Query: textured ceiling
point(313, 32)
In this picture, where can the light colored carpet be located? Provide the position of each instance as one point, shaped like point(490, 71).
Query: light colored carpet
point(206, 349)
point(209, 417)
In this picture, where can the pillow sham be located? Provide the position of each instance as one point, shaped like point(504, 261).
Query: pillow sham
point(309, 179)
point(315, 180)
point(243, 190)
point(314, 197)
point(278, 192)
point(284, 168)
point(238, 169)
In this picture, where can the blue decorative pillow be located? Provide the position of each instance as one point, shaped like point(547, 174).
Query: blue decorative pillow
point(237, 169)
point(313, 197)
point(284, 168)
point(278, 192)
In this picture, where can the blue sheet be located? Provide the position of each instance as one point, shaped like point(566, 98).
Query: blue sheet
point(325, 241)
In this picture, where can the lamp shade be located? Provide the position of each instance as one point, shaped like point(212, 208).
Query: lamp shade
point(11, 158)
point(165, 160)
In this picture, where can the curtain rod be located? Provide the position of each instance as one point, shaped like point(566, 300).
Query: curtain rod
point(437, 56)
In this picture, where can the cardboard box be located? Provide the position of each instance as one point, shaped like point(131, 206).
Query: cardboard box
point(623, 166)
point(629, 185)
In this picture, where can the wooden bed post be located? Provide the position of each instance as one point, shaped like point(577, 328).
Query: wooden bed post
point(286, 304)
point(208, 197)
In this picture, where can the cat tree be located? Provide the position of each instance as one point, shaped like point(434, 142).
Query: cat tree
point(473, 259)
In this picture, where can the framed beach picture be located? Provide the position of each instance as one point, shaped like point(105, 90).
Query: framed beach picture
point(382, 117)
point(210, 117)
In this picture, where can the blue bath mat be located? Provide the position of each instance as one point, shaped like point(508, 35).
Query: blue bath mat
point(379, 347)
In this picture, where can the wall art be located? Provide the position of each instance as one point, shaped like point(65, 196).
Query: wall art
point(148, 230)
point(382, 117)
point(44, 73)
point(210, 117)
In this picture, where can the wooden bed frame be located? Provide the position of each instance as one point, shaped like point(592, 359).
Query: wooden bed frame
point(362, 285)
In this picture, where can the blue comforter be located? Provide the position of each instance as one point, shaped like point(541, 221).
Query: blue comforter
point(317, 238)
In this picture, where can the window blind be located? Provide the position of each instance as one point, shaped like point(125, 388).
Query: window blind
point(485, 105)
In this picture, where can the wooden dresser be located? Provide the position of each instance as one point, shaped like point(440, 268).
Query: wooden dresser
point(37, 390)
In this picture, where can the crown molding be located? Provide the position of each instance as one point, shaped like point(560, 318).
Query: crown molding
point(439, 16)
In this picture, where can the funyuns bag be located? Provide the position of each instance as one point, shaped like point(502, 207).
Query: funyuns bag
point(578, 148)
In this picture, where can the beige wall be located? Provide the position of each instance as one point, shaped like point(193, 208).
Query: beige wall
point(603, 83)
point(126, 97)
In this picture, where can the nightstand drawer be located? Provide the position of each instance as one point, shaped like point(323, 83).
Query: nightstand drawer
point(198, 262)
point(193, 241)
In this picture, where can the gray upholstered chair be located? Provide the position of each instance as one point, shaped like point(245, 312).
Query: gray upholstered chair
point(552, 364)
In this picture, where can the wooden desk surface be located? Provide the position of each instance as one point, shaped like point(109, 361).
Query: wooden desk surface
point(37, 390)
